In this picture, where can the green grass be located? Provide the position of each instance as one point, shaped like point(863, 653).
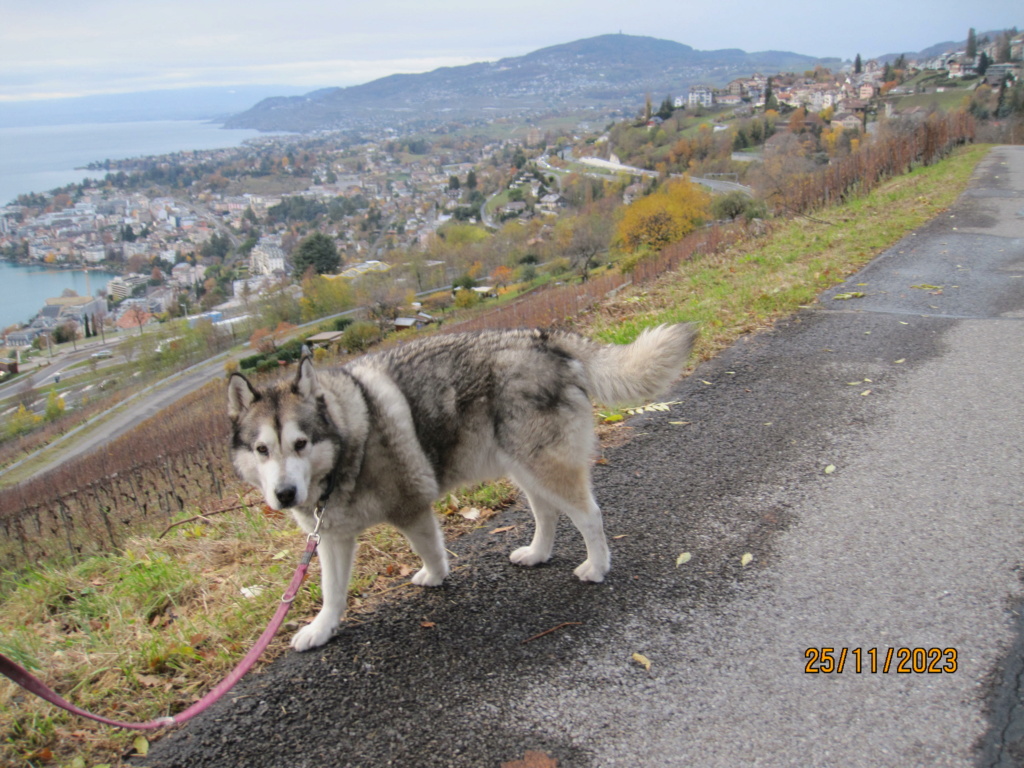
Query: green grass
point(144, 631)
point(748, 287)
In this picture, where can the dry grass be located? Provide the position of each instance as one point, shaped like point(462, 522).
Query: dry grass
point(143, 631)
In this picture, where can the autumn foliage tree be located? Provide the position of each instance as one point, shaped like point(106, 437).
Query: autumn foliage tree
point(665, 216)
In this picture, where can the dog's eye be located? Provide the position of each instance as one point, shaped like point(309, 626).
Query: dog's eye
point(262, 450)
point(300, 444)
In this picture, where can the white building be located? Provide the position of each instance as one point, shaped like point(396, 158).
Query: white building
point(266, 259)
point(701, 95)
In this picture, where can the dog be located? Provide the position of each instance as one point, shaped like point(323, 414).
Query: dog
point(381, 438)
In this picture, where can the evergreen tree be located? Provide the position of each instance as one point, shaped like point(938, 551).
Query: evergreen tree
point(972, 43)
point(983, 63)
point(770, 102)
point(858, 65)
point(317, 251)
point(666, 109)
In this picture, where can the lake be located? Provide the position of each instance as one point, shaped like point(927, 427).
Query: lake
point(25, 289)
point(41, 158)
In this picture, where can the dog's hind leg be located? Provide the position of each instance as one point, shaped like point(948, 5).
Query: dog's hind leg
point(553, 485)
point(424, 534)
point(337, 552)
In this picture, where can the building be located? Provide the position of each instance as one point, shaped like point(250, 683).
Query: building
point(701, 96)
point(123, 287)
point(266, 259)
point(77, 308)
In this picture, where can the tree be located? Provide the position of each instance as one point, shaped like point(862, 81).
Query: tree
point(66, 332)
point(972, 43)
point(317, 251)
point(322, 296)
point(54, 405)
point(732, 205)
point(378, 293)
point(663, 217)
point(585, 237)
point(858, 65)
point(983, 63)
point(502, 276)
point(471, 179)
point(666, 109)
point(137, 316)
point(770, 101)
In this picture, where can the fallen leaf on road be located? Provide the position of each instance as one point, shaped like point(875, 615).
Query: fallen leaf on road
point(683, 558)
point(427, 624)
point(470, 514)
point(141, 745)
point(927, 287)
point(901, 360)
point(849, 295)
point(642, 660)
point(830, 469)
point(746, 559)
point(503, 529)
point(533, 759)
point(865, 393)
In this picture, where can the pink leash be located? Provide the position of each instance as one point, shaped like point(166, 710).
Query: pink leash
point(35, 686)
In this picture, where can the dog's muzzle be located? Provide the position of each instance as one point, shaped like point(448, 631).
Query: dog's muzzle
point(285, 495)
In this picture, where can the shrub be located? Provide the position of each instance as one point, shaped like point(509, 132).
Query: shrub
point(251, 361)
point(360, 335)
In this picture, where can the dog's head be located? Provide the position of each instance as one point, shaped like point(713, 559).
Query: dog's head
point(283, 440)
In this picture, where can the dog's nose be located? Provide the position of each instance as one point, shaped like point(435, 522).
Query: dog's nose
point(285, 495)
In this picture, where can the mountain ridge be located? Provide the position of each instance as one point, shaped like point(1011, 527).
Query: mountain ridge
point(607, 70)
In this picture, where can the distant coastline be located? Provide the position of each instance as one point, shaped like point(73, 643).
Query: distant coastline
point(38, 159)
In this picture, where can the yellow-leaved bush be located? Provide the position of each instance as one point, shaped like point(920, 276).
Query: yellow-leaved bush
point(663, 217)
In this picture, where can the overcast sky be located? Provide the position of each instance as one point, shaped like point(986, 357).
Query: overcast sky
point(59, 48)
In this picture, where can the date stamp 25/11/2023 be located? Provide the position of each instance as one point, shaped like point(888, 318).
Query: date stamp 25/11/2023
point(904, 661)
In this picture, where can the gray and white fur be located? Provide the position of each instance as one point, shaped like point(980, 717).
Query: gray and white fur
point(389, 433)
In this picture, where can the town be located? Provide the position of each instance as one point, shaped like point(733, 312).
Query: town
point(212, 231)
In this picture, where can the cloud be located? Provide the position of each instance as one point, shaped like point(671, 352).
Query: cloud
point(107, 46)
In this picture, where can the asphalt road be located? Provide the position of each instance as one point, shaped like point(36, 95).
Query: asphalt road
point(914, 540)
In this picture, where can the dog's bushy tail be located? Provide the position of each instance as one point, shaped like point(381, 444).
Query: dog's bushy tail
point(632, 373)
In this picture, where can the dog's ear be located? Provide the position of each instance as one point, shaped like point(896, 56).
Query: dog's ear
point(240, 395)
point(305, 384)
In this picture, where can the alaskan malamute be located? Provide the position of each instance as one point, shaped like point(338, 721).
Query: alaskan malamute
point(384, 436)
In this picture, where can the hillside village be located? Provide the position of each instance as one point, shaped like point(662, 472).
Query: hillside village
point(199, 231)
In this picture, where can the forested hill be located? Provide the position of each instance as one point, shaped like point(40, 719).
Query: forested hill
point(598, 71)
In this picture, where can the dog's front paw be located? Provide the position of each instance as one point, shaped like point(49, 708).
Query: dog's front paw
point(427, 578)
point(528, 556)
point(590, 571)
point(313, 635)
